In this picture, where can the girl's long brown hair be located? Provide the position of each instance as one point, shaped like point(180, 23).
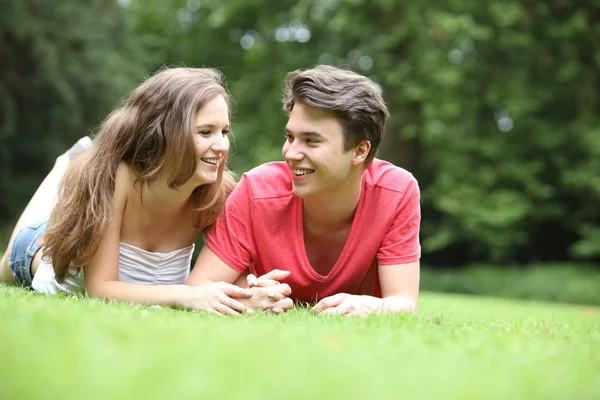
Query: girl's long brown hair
point(152, 132)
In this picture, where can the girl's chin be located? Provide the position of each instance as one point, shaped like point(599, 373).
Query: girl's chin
point(202, 179)
point(206, 178)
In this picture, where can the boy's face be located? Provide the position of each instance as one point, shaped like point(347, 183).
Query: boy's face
point(314, 152)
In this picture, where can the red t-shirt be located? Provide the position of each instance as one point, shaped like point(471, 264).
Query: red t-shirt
point(261, 228)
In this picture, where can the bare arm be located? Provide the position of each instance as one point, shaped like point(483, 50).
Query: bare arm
point(102, 272)
point(399, 291)
point(400, 286)
point(267, 295)
point(210, 268)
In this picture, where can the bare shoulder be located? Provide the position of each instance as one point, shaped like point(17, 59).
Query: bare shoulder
point(123, 182)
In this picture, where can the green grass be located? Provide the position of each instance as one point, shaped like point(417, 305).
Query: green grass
point(457, 347)
point(562, 282)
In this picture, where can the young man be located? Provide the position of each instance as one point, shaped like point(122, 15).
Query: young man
point(343, 223)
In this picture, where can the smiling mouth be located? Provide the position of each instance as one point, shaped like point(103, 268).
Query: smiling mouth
point(213, 161)
point(302, 171)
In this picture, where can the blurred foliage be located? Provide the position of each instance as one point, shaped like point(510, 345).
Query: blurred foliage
point(566, 283)
point(494, 104)
point(63, 66)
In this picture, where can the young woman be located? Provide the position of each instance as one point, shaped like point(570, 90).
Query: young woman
point(129, 206)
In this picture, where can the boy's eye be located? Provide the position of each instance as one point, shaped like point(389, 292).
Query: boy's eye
point(289, 137)
point(312, 141)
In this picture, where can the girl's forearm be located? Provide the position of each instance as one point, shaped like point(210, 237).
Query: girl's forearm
point(167, 295)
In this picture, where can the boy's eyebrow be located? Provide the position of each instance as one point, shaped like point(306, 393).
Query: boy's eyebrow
point(305, 133)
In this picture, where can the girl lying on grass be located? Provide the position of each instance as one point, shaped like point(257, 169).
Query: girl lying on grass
point(118, 217)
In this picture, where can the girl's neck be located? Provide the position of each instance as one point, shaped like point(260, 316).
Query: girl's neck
point(159, 198)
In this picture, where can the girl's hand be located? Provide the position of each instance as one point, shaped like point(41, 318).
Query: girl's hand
point(216, 298)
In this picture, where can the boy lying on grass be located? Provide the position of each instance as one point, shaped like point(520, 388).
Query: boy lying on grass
point(344, 224)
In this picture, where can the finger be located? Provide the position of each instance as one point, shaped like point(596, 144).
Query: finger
point(276, 275)
point(275, 296)
point(347, 307)
point(251, 280)
point(282, 288)
point(237, 292)
point(330, 311)
point(328, 302)
point(232, 303)
point(266, 282)
point(224, 310)
point(342, 309)
point(212, 311)
point(356, 313)
point(284, 304)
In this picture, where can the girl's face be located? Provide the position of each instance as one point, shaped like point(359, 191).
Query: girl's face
point(211, 140)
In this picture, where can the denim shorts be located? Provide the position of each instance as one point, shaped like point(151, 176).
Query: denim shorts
point(27, 242)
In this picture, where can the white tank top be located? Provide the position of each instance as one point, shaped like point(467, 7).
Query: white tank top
point(135, 266)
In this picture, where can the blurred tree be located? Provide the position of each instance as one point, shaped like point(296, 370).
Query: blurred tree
point(63, 66)
point(494, 104)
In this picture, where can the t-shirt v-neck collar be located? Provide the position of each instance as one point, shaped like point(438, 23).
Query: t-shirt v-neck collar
point(346, 250)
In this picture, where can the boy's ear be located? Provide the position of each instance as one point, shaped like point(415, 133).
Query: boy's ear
point(361, 152)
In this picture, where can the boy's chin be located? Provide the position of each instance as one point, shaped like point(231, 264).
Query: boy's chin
point(301, 191)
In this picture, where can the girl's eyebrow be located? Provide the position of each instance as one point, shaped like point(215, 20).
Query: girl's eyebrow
point(209, 126)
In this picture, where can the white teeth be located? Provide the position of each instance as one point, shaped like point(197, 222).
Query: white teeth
point(302, 171)
point(214, 161)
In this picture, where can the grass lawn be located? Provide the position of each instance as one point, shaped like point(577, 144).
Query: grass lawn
point(457, 347)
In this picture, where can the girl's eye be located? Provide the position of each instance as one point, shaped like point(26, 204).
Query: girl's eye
point(225, 132)
point(205, 133)
point(289, 138)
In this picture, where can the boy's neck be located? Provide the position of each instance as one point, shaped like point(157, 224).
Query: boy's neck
point(335, 209)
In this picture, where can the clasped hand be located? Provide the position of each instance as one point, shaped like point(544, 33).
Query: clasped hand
point(263, 293)
point(268, 293)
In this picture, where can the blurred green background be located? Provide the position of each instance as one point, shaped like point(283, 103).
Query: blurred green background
point(495, 109)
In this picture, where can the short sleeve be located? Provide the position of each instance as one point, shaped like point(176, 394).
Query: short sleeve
point(231, 237)
point(401, 244)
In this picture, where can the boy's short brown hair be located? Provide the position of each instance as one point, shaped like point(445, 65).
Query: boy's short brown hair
point(351, 97)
